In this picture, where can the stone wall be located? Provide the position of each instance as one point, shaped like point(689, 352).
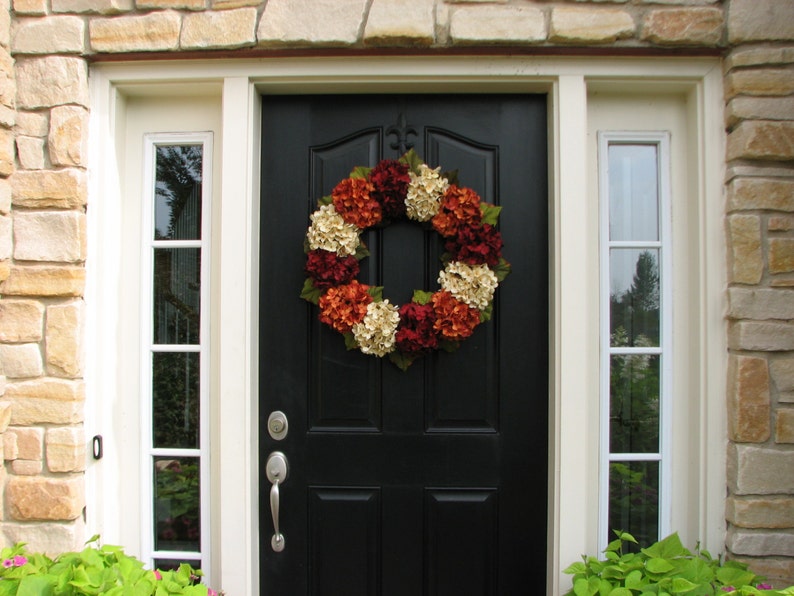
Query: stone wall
point(45, 48)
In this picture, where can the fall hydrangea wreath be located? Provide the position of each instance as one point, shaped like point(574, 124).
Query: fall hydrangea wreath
point(473, 263)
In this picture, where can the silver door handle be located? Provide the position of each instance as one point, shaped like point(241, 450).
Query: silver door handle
point(276, 470)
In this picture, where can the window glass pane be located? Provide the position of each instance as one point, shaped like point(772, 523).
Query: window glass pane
point(177, 204)
point(176, 504)
point(634, 403)
point(173, 564)
point(175, 400)
point(634, 297)
point(634, 500)
point(177, 292)
point(633, 192)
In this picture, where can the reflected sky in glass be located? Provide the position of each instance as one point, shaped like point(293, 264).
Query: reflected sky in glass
point(633, 192)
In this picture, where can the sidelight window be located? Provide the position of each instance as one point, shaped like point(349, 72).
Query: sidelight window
point(175, 387)
point(635, 362)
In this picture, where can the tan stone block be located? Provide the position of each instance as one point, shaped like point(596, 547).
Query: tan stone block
point(30, 152)
point(757, 543)
point(227, 4)
point(32, 410)
point(760, 303)
point(92, 6)
point(5, 270)
point(49, 236)
point(46, 388)
point(32, 124)
point(157, 31)
point(762, 139)
point(219, 29)
point(760, 20)
point(764, 82)
point(21, 360)
point(748, 399)
point(784, 427)
point(30, 7)
point(5, 415)
point(497, 24)
point(305, 22)
point(759, 108)
point(7, 116)
point(782, 371)
point(781, 255)
point(5, 197)
point(64, 333)
point(761, 336)
point(761, 193)
point(175, 4)
point(683, 26)
point(47, 81)
point(9, 446)
point(39, 498)
point(26, 467)
point(6, 243)
point(780, 223)
point(44, 281)
point(401, 22)
point(66, 449)
point(778, 572)
point(30, 442)
point(756, 470)
point(59, 189)
point(746, 263)
point(6, 152)
point(68, 136)
point(754, 512)
point(758, 56)
point(51, 539)
point(575, 24)
point(49, 35)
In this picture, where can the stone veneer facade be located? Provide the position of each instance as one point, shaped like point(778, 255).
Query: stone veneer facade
point(46, 47)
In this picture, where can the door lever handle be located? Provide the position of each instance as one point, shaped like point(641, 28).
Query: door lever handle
point(276, 469)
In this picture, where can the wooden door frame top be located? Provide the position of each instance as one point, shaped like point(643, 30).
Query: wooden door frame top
point(239, 84)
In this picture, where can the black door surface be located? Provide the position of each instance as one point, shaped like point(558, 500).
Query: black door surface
point(427, 482)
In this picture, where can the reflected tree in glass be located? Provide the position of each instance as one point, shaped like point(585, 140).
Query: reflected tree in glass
point(634, 312)
point(177, 213)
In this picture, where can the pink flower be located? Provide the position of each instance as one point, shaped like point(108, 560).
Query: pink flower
point(211, 592)
point(157, 574)
point(19, 560)
point(8, 563)
point(764, 587)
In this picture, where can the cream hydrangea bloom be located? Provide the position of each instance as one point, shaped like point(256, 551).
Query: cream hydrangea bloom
point(425, 192)
point(473, 284)
point(332, 233)
point(376, 333)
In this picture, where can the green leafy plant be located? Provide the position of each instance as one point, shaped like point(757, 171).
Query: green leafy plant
point(664, 568)
point(92, 571)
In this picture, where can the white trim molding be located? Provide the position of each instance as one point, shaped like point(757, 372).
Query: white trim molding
point(573, 286)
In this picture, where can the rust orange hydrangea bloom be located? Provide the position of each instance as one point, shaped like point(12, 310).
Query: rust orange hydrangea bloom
point(353, 201)
point(344, 306)
point(460, 207)
point(455, 320)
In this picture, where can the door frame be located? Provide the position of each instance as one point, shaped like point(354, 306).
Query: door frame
point(573, 370)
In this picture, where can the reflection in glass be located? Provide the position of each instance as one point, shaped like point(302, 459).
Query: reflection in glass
point(177, 504)
point(634, 297)
point(634, 499)
point(177, 291)
point(634, 403)
point(175, 397)
point(177, 203)
point(173, 564)
point(633, 192)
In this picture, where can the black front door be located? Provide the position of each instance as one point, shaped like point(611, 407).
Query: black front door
point(431, 481)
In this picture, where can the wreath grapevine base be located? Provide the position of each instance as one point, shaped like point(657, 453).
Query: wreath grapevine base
point(409, 189)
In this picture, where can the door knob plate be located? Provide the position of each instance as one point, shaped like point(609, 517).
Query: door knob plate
point(277, 425)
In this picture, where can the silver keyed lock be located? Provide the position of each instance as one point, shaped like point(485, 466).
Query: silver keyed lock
point(277, 425)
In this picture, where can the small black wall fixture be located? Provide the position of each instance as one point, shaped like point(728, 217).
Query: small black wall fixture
point(96, 446)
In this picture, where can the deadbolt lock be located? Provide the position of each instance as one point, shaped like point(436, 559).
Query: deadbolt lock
point(277, 425)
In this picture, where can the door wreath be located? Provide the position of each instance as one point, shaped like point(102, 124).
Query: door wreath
point(433, 320)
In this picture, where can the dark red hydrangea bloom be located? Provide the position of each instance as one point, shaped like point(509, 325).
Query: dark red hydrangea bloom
point(415, 333)
point(327, 269)
point(390, 179)
point(475, 245)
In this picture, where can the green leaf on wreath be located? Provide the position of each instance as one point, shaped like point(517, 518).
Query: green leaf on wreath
point(421, 297)
point(309, 292)
point(376, 292)
point(412, 160)
point(485, 315)
point(362, 252)
point(360, 172)
point(502, 270)
point(350, 341)
point(327, 200)
point(490, 213)
point(400, 360)
point(452, 177)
